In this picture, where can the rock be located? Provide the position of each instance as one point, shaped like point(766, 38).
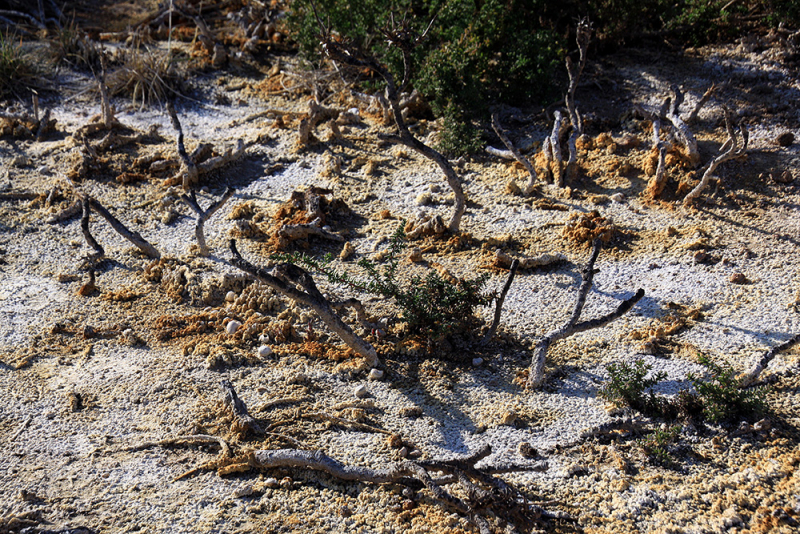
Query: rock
point(271, 483)
point(375, 374)
point(415, 255)
point(232, 327)
point(785, 177)
point(410, 411)
point(477, 362)
point(423, 199)
point(264, 351)
point(739, 278)
point(509, 417)
point(243, 491)
point(617, 197)
point(230, 296)
point(527, 451)
point(361, 391)
point(785, 139)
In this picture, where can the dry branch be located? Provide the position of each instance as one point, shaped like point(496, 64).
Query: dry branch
point(85, 228)
point(133, 237)
point(656, 185)
point(402, 39)
point(498, 310)
point(188, 170)
point(700, 103)
point(752, 375)
point(286, 274)
point(504, 260)
point(243, 422)
point(572, 326)
point(498, 129)
point(733, 150)
point(484, 492)
point(681, 128)
point(203, 216)
point(553, 150)
point(584, 34)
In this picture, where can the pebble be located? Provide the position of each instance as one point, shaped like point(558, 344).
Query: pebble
point(477, 362)
point(232, 327)
point(617, 197)
point(230, 296)
point(785, 139)
point(739, 278)
point(360, 391)
point(271, 482)
point(785, 177)
point(264, 351)
point(243, 491)
point(375, 374)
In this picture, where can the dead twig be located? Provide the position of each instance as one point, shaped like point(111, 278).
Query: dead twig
point(404, 39)
point(733, 150)
point(355, 425)
point(286, 274)
point(748, 378)
point(204, 215)
point(134, 237)
point(681, 128)
point(243, 422)
point(498, 129)
point(584, 35)
point(572, 326)
point(188, 170)
point(498, 310)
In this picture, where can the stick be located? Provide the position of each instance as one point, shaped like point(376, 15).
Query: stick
point(553, 155)
point(21, 429)
point(133, 237)
point(72, 210)
point(498, 129)
point(243, 422)
point(752, 375)
point(203, 216)
point(498, 310)
point(700, 103)
point(572, 326)
point(311, 297)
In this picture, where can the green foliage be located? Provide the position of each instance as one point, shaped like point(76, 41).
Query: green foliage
point(430, 306)
point(721, 396)
point(629, 386)
point(656, 444)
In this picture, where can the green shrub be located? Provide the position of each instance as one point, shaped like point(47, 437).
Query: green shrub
point(629, 386)
point(721, 396)
point(656, 444)
point(430, 306)
point(15, 70)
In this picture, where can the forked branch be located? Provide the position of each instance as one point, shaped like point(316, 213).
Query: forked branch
point(204, 215)
point(572, 326)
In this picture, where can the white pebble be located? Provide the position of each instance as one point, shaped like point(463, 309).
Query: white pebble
point(243, 491)
point(232, 327)
point(264, 351)
point(263, 338)
point(376, 374)
point(360, 392)
point(477, 362)
point(617, 197)
point(230, 296)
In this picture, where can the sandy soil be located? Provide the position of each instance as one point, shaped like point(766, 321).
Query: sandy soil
point(94, 376)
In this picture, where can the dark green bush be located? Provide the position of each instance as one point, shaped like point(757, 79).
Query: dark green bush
point(629, 386)
point(721, 396)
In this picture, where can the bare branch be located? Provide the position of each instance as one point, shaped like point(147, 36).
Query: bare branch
point(311, 297)
point(681, 128)
point(243, 422)
point(584, 34)
point(203, 216)
point(498, 310)
point(752, 375)
point(498, 129)
point(188, 168)
point(133, 237)
point(572, 326)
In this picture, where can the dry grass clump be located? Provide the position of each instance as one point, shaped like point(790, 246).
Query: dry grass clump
point(16, 69)
point(147, 76)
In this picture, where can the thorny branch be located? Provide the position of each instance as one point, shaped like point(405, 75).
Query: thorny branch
point(285, 280)
point(572, 326)
point(203, 216)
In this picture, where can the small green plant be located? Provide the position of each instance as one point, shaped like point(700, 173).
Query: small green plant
point(656, 444)
point(430, 306)
point(721, 396)
point(629, 386)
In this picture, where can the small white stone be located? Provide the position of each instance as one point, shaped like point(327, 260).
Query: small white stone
point(617, 197)
point(232, 327)
point(375, 374)
point(263, 338)
point(264, 351)
point(477, 362)
point(360, 391)
point(243, 491)
point(230, 296)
